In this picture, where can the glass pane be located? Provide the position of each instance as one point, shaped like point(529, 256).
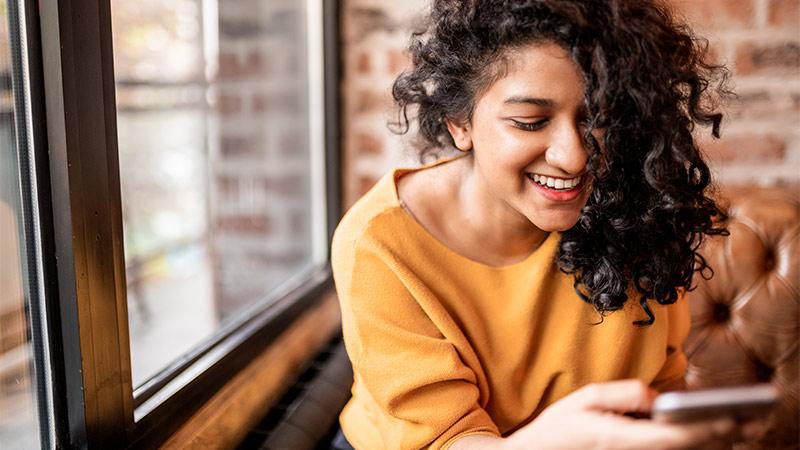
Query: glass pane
point(213, 120)
point(19, 424)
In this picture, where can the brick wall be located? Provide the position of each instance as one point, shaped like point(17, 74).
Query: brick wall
point(758, 39)
point(259, 156)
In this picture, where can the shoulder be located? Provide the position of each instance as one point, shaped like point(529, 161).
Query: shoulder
point(380, 210)
point(378, 224)
point(373, 218)
point(429, 194)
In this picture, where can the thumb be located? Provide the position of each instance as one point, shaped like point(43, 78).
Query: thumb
point(618, 396)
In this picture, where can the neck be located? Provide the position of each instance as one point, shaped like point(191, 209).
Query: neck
point(500, 233)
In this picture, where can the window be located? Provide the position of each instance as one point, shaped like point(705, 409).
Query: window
point(21, 385)
point(185, 180)
point(216, 156)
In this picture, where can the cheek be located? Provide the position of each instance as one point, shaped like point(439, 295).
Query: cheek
point(509, 150)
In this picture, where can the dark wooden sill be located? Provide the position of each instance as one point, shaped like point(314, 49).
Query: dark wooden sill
point(224, 421)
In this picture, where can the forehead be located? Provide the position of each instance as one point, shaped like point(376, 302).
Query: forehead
point(540, 70)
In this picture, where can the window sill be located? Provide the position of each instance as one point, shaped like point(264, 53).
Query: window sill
point(226, 418)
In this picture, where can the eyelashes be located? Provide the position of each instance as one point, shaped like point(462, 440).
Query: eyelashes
point(530, 126)
point(539, 124)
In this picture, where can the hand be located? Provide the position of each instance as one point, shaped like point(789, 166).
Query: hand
point(591, 418)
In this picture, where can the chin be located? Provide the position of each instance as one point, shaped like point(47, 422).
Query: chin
point(558, 228)
point(558, 224)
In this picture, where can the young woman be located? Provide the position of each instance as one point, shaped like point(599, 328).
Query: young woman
point(528, 293)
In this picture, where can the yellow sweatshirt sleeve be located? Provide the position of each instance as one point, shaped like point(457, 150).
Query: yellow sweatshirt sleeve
point(424, 394)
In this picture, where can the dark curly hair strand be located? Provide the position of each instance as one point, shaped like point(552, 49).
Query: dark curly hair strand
point(648, 85)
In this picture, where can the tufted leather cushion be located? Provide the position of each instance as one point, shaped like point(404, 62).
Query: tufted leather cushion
point(745, 320)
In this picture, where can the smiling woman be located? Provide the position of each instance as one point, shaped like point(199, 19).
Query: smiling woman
point(477, 291)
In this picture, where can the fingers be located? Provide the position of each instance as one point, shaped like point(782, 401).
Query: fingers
point(690, 435)
point(624, 433)
point(618, 396)
point(596, 401)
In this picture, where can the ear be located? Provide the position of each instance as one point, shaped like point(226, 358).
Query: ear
point(461, 135)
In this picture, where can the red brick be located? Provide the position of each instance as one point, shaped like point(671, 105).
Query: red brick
point(363, 63)
point(229, 186)
point(365, 183)
point(775, 58)
point(716, 13)
point(367, 20)
point(292, 143)
point(245, 224)
point(784, 13)
point(232, 67)
point(241, 146)
point(712, 56)
point(227, 62)
point(367, 144)
point(285, 185)
point(285, 102)
point(398, 61)
point(369, 101)
point(756, 148)
point(763, 104)
point(229, 104)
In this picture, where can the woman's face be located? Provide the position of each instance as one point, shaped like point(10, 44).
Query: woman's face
point(526, 135)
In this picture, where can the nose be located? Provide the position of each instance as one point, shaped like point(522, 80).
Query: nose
point(567, 150)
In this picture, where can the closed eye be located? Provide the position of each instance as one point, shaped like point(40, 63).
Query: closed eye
point(529, 126)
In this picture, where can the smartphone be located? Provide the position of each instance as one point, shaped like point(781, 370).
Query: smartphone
point(741, 402)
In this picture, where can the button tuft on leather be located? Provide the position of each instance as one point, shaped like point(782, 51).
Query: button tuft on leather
point(769, 260)
point(764, 372)
point(721, 313)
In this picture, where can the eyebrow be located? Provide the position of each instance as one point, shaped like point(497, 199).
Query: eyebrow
point(544, 102)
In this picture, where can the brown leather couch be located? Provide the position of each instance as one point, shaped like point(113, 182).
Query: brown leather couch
point(746, 319)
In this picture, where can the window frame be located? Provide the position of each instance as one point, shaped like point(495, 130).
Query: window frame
point(73, 92)
point(24, 49)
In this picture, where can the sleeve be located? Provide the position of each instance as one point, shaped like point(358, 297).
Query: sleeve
point(425, 393)
point(674, 367)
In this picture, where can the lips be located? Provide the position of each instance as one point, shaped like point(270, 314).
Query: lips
point(558, 189)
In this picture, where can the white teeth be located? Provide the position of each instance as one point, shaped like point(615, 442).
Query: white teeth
point(556, 183)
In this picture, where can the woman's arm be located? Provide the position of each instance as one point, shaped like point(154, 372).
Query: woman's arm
point(411, 380)
point(592, 417)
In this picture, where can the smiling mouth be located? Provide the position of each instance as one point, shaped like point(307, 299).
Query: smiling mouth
point(556, 184)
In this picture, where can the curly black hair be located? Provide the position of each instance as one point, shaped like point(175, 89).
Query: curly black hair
point(648, 86)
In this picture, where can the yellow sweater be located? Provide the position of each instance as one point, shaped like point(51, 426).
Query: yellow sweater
point(443, 346)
